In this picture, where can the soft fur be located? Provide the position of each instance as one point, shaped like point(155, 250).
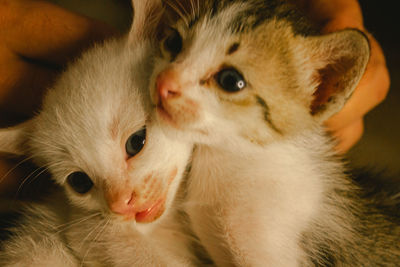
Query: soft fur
point(84, 123)
point(265, 187)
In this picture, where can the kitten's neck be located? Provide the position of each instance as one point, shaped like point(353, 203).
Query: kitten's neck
point(314, 142)
point(305, 160)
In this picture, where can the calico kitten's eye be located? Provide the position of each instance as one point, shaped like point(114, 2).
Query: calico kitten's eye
point(80, 182)
point(136, 142)
point(230, 80)
point(173, 43)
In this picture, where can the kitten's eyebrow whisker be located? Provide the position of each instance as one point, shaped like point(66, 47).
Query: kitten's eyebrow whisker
point(38, 170)
point(193, 10)
point(41, 170)
point(13, 168)
point(178, 12)
point(185, 12)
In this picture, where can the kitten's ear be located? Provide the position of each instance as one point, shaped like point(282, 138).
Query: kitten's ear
point(178, 9)
point(340, 60)
point(13, 140)
point(146, 16)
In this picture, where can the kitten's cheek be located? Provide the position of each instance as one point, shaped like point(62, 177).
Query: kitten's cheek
point(165, 116)
point(179, 113)
point(158, 208)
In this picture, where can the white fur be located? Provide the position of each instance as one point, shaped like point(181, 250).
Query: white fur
point(254, 189)
point(84, 124)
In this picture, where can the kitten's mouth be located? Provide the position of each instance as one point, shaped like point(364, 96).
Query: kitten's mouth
point(165, 116)
point(147, 214)
point(152, 213)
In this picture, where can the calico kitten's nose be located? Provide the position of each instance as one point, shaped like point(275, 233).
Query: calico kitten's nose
point(167, 85)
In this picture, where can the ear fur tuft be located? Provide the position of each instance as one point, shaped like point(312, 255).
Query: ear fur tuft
point(147, 14)
point(13, 140)
point(341, 58)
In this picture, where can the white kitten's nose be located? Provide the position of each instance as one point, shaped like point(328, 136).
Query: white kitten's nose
point(123, 203)
point(168, 85)
point(127, 204)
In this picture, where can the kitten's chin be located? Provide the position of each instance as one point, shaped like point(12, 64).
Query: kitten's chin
point(174, 129)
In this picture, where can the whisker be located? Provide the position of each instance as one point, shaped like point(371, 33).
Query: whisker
point(193, 9)
point(27, 183)
point(182, 7)
point(95, 239)
point(39, 171)
point(69, 224)
point(88, 235)
point(178, 12)
point(25, 180)
point(198, 8)
point(15, 167)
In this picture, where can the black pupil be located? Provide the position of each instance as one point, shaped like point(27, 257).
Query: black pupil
point(173, 43)
point(136, 142)
point(80, 182)
point(231, 80)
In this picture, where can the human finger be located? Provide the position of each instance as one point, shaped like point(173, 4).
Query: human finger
point(348, 136)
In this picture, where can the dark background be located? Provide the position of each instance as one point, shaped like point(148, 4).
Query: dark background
point(380, 145)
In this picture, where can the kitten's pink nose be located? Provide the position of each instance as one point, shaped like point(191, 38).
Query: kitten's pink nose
point(123, 203)
point(131, 207)
point(167, 84)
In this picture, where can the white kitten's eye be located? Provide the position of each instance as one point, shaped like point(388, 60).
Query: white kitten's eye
point(80, 182)
point(230, 80)
point(136, 142)
point(173, 43)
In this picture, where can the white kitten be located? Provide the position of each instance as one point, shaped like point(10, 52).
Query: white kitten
point(120, 179)
point(247, 82)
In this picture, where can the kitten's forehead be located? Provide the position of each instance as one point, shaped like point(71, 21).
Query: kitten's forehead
point(95, 106)
point(238, 16)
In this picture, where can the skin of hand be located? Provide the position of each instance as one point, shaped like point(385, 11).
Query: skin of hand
point(347, 126)
point(37, 39)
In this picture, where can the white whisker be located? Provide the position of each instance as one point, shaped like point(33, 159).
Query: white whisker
point(69, 224)
point(15, 167)
point(178, 12)
point(94, 240)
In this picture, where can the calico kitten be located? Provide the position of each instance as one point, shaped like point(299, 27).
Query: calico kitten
point(118, 172)
point(251, 83)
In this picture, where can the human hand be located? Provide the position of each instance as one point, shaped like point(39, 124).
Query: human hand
point(347, 126)
point(37, 39)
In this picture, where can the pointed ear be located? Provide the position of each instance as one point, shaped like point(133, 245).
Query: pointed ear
point(13, 140)
point(340, 60)
point(146, 16)
point(177, 9)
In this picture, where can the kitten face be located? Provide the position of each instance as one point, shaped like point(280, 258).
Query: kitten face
point(237, 69)
point(94, 136)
